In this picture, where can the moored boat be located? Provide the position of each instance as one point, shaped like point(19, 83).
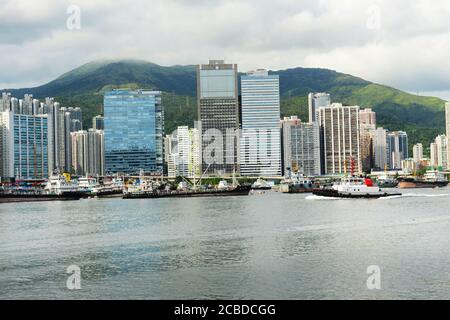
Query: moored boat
point(297, 183)
point(431, 179)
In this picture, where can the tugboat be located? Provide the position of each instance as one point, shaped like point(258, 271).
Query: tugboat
point(354, 187)
point(431, 179)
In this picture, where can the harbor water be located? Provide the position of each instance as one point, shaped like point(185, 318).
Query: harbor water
point(263, 246)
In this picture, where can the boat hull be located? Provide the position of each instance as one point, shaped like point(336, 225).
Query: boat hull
point(416, 184)
point(331, 193)
point(239, 191)
point(13, 198)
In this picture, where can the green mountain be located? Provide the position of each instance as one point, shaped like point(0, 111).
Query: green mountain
point(421, 117)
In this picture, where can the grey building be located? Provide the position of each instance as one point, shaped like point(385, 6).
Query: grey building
point(397, 146)
point(301, 147)
point(315, 101)
point(218, 112)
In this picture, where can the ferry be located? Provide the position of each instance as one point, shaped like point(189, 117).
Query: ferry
point(57, 188)
point(354, 187)
point(431, 179)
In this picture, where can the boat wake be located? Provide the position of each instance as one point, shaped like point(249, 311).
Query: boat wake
point(406, 195)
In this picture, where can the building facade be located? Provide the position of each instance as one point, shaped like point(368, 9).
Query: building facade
point(218, 112)
point(447, 126)
point(301, 147)
point(182, 152)
point(340, 139)
point(98, 123)
point(379, 145)
point(88, 152)
point(441, 145)
point(397, 146)
point(418, 152)
point(315, 101)
point(260, 144)
point(24, 152)
point(134, 125)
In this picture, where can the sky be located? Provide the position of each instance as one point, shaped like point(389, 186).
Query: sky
point(401, 43)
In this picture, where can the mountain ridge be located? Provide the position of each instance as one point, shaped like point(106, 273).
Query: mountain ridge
point(420, 116)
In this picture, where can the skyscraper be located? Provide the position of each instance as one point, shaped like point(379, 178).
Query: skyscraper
point(182, 152)
point(88, 152)
point(433, 154)
point(340, 139)
point(315, 101)
point(24, 140)
point(441, 145)
point(368, 118)
point(379, 145)
point(397, 145)
point(218, 112)
point(301, 147)
point(418, 152)
point(447, 126)
point(98, 123)
point(134, 125)
point(260, 149)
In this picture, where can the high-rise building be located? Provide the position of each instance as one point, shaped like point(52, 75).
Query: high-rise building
point(301, 147)
point(447, 126)
point(441, 145)
point(88, 152)
point(315, 101)
point(194, 153)
point(260, 145)
point(218, 112)
point(340, 139)
point(5, 103)
point(397, 145)
point(24, 140)
point(182, 152)
point(134, 125)
point(418, 152)
point(379, 146)
point(98, 123)
point(433, 154)
point(368, 118)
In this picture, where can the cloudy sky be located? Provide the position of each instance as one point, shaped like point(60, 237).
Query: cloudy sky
point(394, 42)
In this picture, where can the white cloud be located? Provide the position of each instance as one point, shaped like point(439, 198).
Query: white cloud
point(409, 50)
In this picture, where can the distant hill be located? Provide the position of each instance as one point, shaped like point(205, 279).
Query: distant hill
point(421, 117)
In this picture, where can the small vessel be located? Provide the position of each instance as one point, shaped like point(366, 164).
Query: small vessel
point(87, 185)
point(261, 184)
point(57, 188)
point(297, 183)
point(146, 191)
point(354, 187)
point(431, 179)
point(386, 181)
point(110, 189)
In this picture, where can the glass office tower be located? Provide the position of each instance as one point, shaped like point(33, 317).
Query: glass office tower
point(134, 125)
point(260, 152)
